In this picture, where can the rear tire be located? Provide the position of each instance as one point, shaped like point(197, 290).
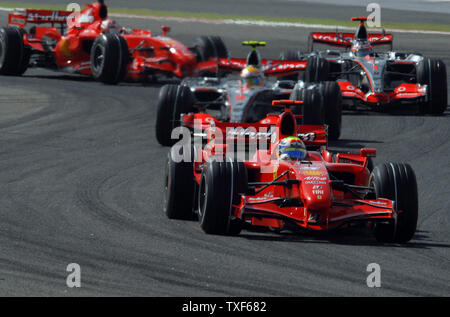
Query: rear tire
point(317, 69)
point(179, 188)
point(322, 104)
point(14, 55)
point(397, 182)
point(312, 107)
point(290, 55)
point(433, 72)
point(172, 102)
point(332, 102)
point(109, 58)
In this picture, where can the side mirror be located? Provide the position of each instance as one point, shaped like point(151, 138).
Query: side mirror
point(165, 29)
point(286, 103)
point(366, 152)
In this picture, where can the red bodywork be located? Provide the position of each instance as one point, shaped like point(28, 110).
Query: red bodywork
point(75, 34)
point(310, 201)
point(401, 93)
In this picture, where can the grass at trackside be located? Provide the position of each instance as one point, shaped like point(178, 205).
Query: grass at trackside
point(216, 16)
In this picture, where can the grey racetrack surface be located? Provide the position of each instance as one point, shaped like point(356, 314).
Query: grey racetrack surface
point(81, 181)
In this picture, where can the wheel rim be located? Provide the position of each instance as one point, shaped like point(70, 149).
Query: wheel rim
point(166, 188)
point(202, 198)
point(99, 58)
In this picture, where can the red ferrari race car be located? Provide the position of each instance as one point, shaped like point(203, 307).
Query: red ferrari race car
point(89, 43)
point(285, 186)
point(377, 79)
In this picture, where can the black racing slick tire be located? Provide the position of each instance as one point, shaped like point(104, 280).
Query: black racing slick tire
point(312, 108)
point(317, 69)
point(220, 186)
point(109, 58)
point(322, 104)
point(173, 101)
point(433, 73)
point(332, 103)
point(210, 47)
point(220, 49)
point(290, 55)
point(179, 186)
point(14, 55)
point(397, 182)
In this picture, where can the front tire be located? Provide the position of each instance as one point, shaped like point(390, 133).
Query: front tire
point(179, 187)
point(220, 186)
point(397, 182)
point(109, 58)
point(433, 72)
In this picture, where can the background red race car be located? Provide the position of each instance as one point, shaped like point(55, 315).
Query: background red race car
point(89, 43)
point(321, 192)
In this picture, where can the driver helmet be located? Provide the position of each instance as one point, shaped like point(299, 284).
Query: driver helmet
point(251, 76)
point(292, 149)
point(362, 48)
point(110, 26)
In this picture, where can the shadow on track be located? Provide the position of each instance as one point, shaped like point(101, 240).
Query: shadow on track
point(352, 236)
point(403, 111)
point(129, 83)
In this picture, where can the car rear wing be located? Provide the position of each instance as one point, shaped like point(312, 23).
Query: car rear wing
point(20, 17)
point(273, 127)
point(274, 68)
point(345, 39)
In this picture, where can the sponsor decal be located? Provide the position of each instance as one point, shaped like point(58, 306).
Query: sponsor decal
point(316, 182)
point(310, 168)
point(265, 197)
point(330, 38)
point(316, 178)
point(289, 66)
point(307, 136)
point(377, 202)
point(317, 187)
point(318, 192)
point(319, 196)
point(313, 173)
point(250, 132)
point(55, 17)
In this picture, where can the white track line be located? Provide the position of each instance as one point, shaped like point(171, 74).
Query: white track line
point(254, 23)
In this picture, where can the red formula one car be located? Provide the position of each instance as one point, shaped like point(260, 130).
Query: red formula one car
point(377, 79)
point(320, 192)
point(89, 43)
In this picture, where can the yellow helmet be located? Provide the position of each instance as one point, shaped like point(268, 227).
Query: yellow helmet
point(251, 76)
